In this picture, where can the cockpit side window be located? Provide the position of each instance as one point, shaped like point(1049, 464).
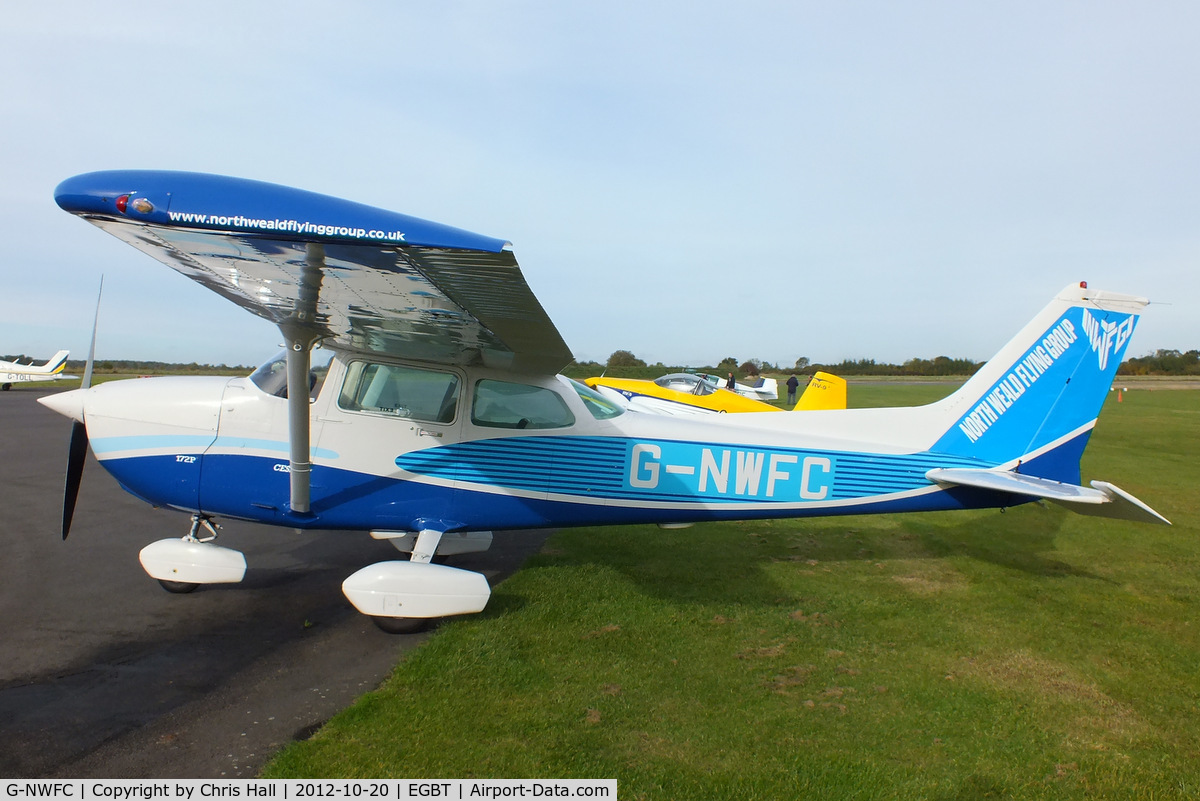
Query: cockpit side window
point(504, 404)
point(427, 395)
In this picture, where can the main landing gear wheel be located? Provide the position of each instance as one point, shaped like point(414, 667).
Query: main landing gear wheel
point(401, 625)
point(177, 587)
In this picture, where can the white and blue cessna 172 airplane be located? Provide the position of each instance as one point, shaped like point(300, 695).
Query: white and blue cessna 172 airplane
point(442, 417)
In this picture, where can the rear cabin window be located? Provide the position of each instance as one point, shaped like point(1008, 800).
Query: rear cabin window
point(503, 404)
point(410, 392)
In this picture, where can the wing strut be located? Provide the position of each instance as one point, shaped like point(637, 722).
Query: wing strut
point(301, 331)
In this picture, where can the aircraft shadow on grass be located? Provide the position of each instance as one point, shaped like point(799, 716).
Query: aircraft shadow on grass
point(728, 563)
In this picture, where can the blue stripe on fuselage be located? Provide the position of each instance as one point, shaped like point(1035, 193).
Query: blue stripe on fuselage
point(192, 444)
point(675, 471)
point(250, 488)
point(530, 481)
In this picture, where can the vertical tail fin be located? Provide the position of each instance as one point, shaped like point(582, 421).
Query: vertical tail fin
point(55, 364)
point(1036, 401)
point(824, 391)
point(59, 362)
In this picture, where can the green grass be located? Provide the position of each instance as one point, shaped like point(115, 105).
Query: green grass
point(1031, 654)
point(861, 394)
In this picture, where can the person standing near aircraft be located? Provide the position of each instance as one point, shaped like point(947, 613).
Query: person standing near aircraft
point(730, 383)
point(793, 384)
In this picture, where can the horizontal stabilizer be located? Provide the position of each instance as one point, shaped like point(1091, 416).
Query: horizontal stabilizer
point(1101, 499)
point(1126, 507)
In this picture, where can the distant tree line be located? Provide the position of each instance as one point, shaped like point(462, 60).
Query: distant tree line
point(939, 366)
point(125, 366)
point(624, 364)
point(1163, 362)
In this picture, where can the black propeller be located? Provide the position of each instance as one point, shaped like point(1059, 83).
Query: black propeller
point(76, 456)
point(77, 450)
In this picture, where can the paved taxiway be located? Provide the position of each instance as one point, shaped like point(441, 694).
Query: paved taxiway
point(103, 674)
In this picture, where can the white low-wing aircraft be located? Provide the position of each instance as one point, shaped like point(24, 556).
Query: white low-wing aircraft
point(442, 417)
point(15, 373)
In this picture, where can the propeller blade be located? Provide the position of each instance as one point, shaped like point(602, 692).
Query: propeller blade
point(77, 450)
point(91, 360)
point(76, 456)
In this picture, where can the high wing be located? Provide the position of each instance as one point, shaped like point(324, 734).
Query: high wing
point(357, 277)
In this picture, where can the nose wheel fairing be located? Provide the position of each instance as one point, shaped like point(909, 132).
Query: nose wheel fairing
point(192, 562)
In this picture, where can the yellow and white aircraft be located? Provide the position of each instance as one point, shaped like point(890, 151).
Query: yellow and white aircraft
point(16, 373)
point(697, 393)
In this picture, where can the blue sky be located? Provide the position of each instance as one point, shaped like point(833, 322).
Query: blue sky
point(679, 179)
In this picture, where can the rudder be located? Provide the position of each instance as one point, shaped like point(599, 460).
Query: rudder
point(1036, 401)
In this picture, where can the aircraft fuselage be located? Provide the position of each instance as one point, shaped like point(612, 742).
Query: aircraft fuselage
point(218, 446)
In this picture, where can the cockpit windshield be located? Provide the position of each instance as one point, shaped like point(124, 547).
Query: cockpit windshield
point(271, 375)
point(600, 407)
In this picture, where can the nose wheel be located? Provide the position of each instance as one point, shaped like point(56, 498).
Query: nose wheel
point(177, 587)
